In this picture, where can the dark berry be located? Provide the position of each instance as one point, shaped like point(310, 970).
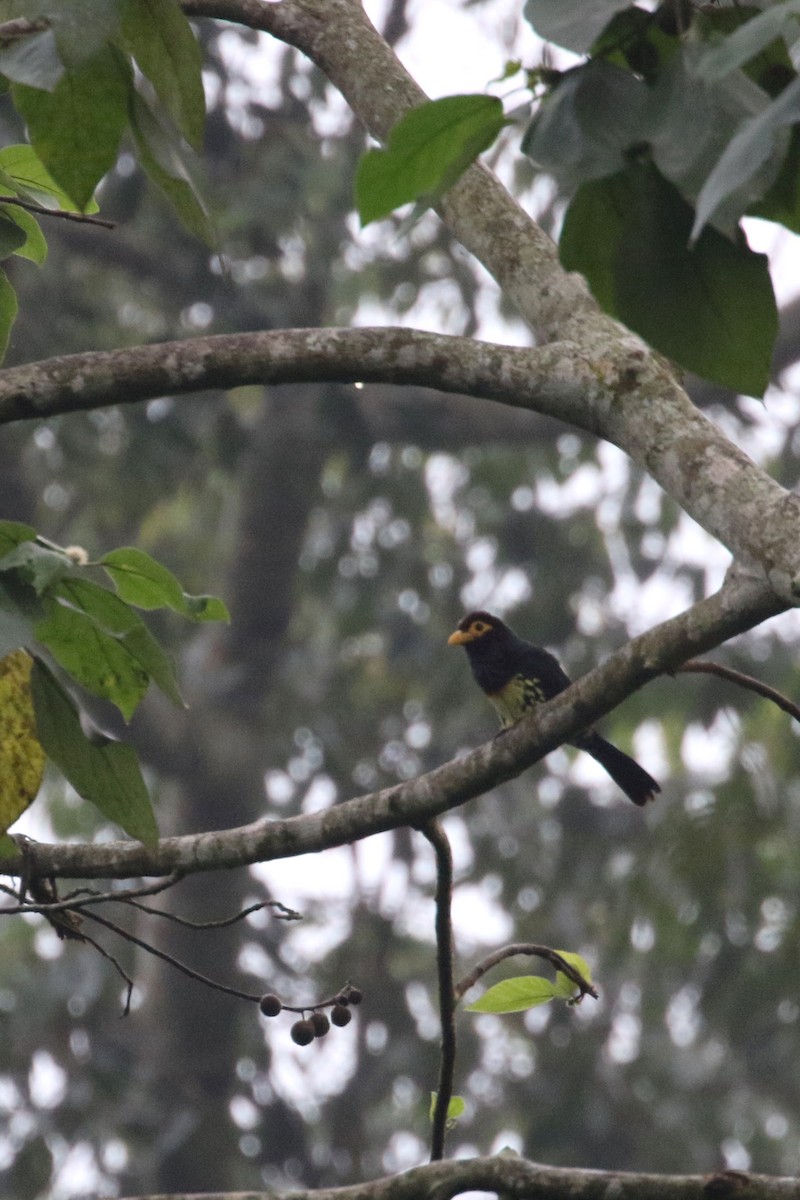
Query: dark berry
point(320, 1024)
point(270, 1004)
point(341, 998)
point(302, 1033)
point(341, 1015)
point(354, 995)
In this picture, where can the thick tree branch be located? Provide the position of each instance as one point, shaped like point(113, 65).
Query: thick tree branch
point(739, 605)
point(513, 1176)
point(735, 501)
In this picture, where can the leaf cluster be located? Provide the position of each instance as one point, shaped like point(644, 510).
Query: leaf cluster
point(81, 75)
point(678, 123)
point(69, 624)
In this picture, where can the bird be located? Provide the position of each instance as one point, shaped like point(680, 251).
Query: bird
point(516, 676)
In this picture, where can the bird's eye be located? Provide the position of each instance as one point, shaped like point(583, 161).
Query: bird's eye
point(479, 627)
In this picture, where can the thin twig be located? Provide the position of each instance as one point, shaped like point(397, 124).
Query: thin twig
point(532, 948)
point(106, 954)
point(435, 834)
point(80, 898)
point(286, 914)
point(702, 666)
point(174, 962)
point(39, 210)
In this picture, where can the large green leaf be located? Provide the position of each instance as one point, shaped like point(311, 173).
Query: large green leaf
point(76, 129)
point(160, 38)
point(37, 565)
point(142, 581)
point(103, 771)
point(427, 151)
point(163, 158)
point(104, 645)
point(710, 306)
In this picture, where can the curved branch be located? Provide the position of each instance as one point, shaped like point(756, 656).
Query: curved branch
point(749, 682)
point(511, 1175)
point(740, 604)
point(532, 949)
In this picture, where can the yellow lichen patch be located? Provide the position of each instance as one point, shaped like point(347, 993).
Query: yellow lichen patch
point(21, 755)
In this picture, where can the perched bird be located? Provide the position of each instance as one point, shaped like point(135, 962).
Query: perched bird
point(517, 676)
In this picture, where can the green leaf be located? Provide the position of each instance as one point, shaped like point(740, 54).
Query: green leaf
point(8, 847)
point(21, 754)
point(455, 1109)
point(81, 27)
point(753, 145)
point(142, 581)
point(565, 988)
point(781, 202)
point(11, 236)
point(104, 645)
point(8, 312)
point(103, 771)
point(573, 24)
point(30, 178)
point(34, 245)
point(710, 307)
point(37, 565)
point(76, 129)
point(160, 38)
point(162, 157)
point(751, 38)
point(14, 532)
point(515, 995)
point(427, 151)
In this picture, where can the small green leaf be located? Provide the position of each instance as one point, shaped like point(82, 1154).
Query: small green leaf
point(163, 159)
point(104, 772)
point(427, 151)
point(14, 532)
point(11, 236)
point(28, 177)
point(8, 847)
point(565, 988)
point(37, 565)
point(142, 581)
point(160, 38)
point(34, 245)
point(515, 995)
point(455, 1109)
point(76, 129)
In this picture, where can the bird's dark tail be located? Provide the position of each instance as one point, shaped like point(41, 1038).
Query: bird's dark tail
point(635, 782)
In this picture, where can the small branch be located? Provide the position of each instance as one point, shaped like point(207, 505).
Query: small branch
point(703, 667)
point(435, 834)
point(286, 914)
point(497, 956)
point(173, 962)
point(82, 897)
point(40, 211)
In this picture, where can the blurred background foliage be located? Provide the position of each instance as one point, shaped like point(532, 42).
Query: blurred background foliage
point(348, 529)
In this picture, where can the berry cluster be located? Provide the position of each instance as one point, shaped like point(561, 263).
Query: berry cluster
point(304, 1031)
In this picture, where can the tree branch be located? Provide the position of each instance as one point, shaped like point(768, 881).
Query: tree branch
point(514, 1176)
point(741, 603)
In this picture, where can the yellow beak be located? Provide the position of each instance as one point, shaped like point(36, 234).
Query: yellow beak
point(458, 638)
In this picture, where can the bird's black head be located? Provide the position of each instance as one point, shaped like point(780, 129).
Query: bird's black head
point(479, 629)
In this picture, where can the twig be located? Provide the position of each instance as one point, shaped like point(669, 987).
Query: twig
point(106, 954)
point(80, 898)
point(702, 666)
point(532, 948)
point(40, 211)
point(286, 914)
point(435, 834)
point(174, 962)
